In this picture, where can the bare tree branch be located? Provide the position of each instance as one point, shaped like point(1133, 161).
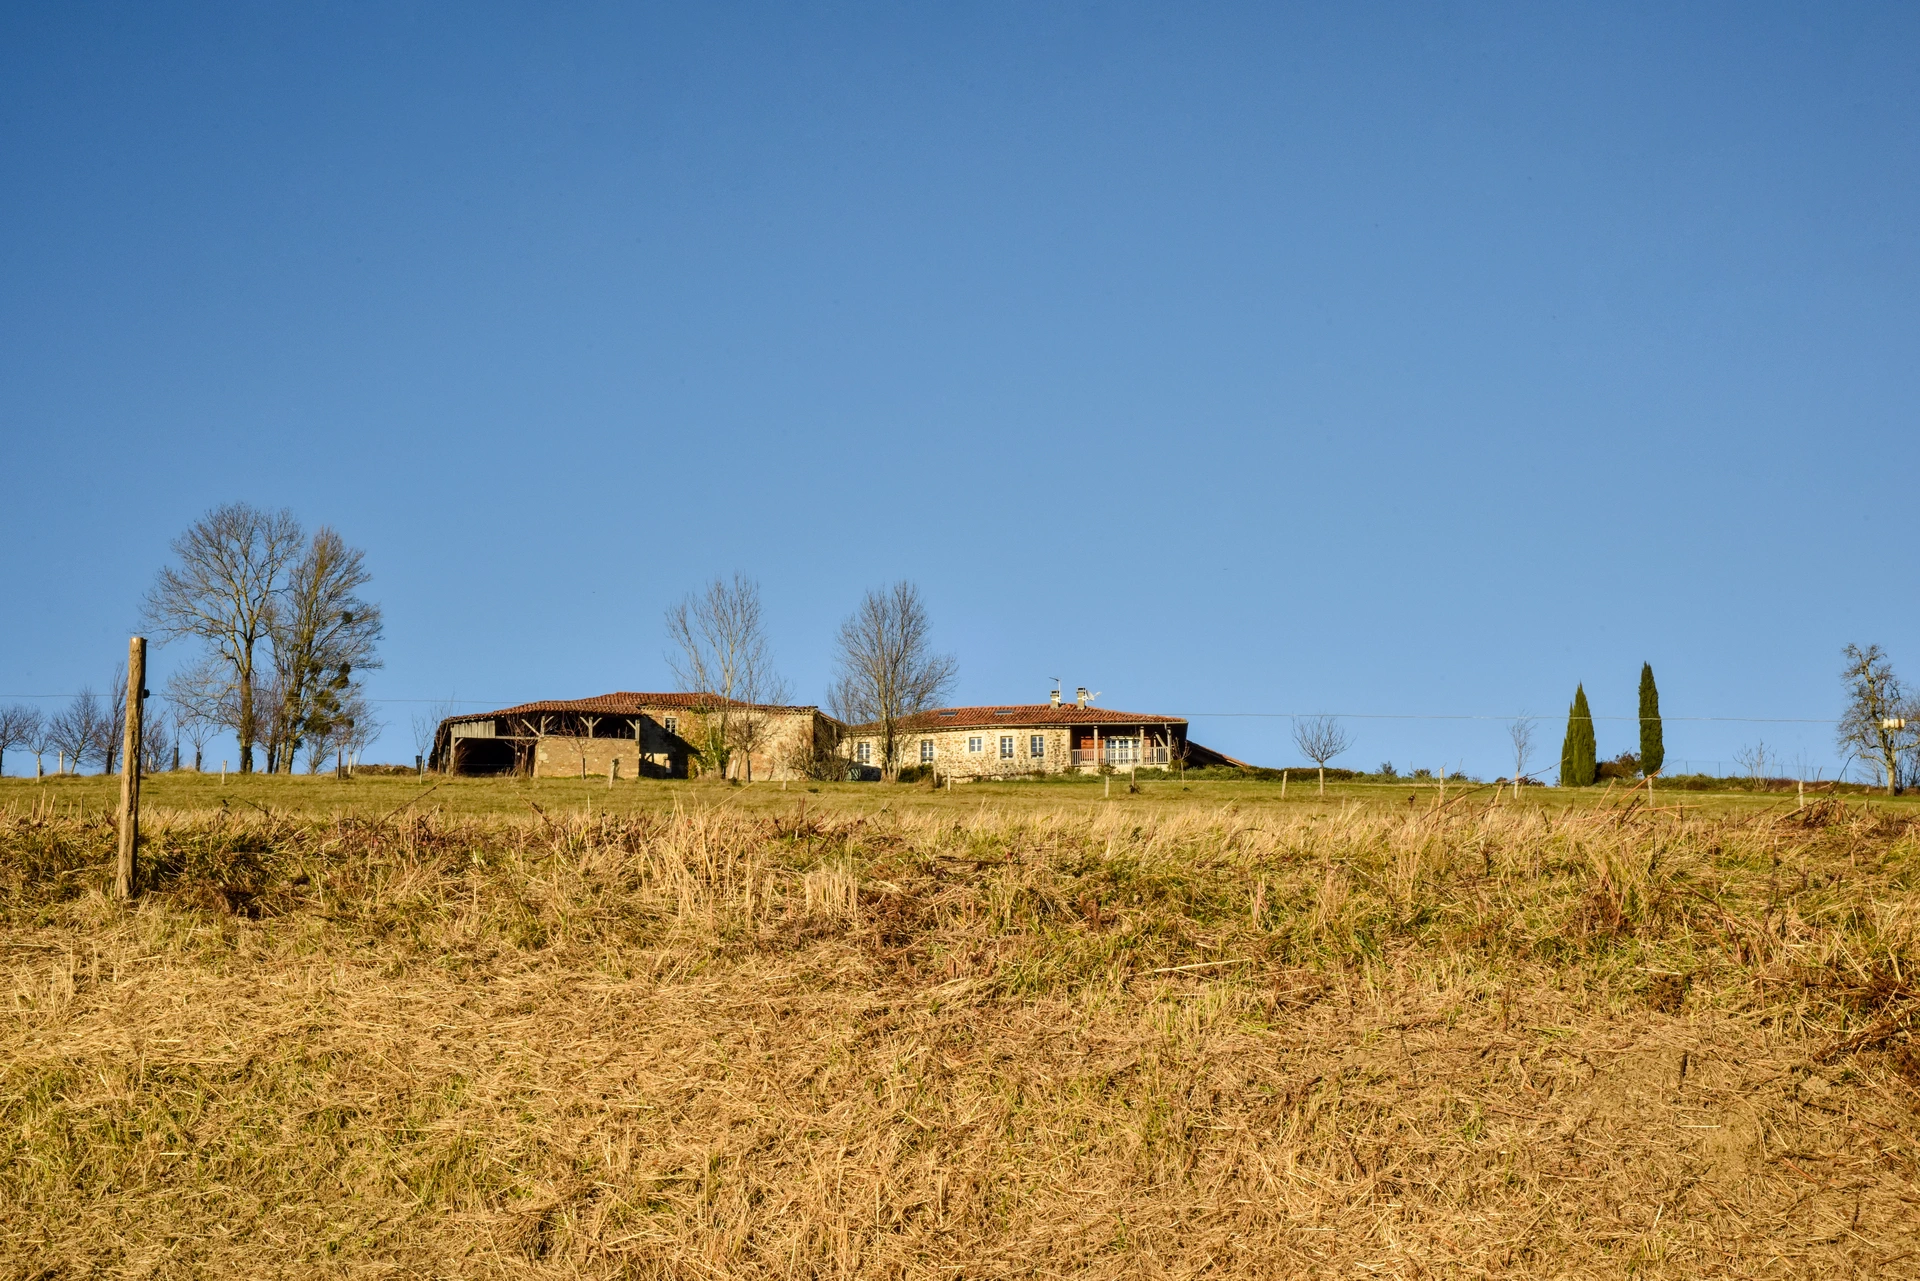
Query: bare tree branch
point(1881, 722)
point(19, 727)
point(345, 734)
point(720, 654)
point(1755, 760)
point(323, 632)
point(203, 701)
point(40, 742)
point(74, 731)
point(887, 668)
point(1320, 739)
point(1521, 732)
point(157, 742)
point(231, 564)
point(110, 733)
point(426, 726)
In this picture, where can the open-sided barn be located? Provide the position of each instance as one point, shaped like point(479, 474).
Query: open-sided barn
point(635, 735)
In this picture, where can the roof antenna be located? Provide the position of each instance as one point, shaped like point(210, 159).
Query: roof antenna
point(1056, 692)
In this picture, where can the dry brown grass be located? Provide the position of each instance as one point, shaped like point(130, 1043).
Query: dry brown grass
point(1200, 1041)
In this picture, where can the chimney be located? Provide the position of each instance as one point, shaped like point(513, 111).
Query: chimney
point(1056, 698)
point(1080, 695)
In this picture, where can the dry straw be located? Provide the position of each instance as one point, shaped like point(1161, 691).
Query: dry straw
point(712, 1044)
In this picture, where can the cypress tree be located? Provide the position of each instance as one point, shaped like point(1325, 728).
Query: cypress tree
point(1653, 748)
point(1578, 753)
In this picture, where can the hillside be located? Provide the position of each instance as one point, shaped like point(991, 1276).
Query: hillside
point(815, 1037)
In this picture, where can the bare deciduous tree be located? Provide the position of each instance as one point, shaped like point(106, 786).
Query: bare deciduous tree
point(202, 700)
point(319, 747)
point(231, 563)
point(1320, 739)
point(322, 633)
point(19, 727)
point(40, 742)
point(1521, 732)
point(1755, 760)
point(359, 727)
point(1881, 722)
point(112, 729)
point(721, 656)
point(344, 735)
point(888, 670)
point(157, 742)
point(74, 731)
point(426, 726)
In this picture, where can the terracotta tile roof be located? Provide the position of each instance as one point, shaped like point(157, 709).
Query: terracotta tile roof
point(1067, 714)
point(623, 704)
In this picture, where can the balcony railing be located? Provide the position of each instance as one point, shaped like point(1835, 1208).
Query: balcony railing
point(1123, 753)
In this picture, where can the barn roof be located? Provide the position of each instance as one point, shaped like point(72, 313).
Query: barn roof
point(627, 703)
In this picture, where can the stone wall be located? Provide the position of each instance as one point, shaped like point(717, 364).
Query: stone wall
point(666, 754)
point(564, 756)
point(954, 754)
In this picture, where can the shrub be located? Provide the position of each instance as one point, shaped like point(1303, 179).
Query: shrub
point(1624, 766)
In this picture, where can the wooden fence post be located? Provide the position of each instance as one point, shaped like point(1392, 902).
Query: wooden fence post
point(130, 769)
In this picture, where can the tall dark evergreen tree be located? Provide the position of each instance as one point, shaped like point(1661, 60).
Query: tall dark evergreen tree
point(1653, 748)
point(1579, 763)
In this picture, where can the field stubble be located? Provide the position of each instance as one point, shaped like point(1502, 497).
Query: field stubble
point(825, 1043)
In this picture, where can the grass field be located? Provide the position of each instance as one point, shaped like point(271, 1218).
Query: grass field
point(549, 1029)
point(376, 796)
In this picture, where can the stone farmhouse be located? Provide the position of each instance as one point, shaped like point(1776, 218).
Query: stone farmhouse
point(966, 743)
point(634, 735)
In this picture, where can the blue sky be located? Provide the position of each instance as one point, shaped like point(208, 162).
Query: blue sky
point(1411, 360)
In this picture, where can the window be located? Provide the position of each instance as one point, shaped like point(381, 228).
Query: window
point(1037, 745)
point(1006, 747)
point(673, 724)
point(975, 743)
point(926, 751)
point(1123, 751)
point(863, 752)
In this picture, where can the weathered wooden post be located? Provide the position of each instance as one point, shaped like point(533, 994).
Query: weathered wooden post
point(613, 772)
point(130, 769)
